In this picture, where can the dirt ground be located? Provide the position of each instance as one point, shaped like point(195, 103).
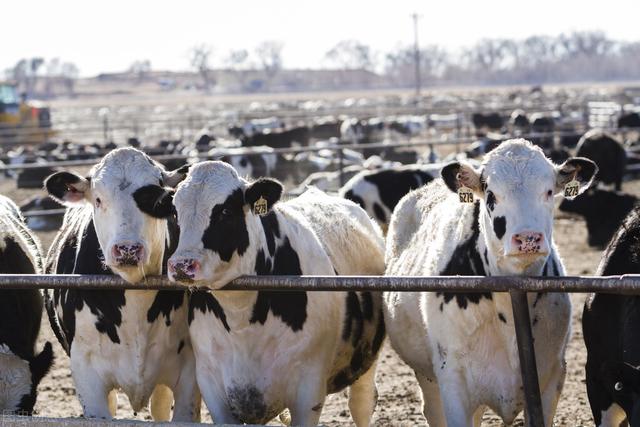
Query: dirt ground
point(398, 403)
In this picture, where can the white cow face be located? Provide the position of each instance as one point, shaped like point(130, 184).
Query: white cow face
point(219, 231)
point(516, 184)
point(130, 205)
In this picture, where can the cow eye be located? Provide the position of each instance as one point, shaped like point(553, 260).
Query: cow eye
point(618, 386)
point(98, 202)
point(226, 212)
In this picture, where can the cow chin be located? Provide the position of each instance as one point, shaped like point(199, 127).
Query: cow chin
point(524, 264)
point(132, 274)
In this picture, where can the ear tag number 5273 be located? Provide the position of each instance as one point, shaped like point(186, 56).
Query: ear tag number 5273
point(260, 206)
point(572, 188)
point(465, 194)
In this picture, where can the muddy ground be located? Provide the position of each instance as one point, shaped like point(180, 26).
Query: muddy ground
point(398, 403)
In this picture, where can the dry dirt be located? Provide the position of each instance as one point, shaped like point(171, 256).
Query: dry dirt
point(398, 403)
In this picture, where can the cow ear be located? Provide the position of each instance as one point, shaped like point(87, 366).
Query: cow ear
point(40, 365)
point(155, 201)
point(460, 174)
point(175, 177)
point(583, 170)
point(265, 188)
point(68, 188)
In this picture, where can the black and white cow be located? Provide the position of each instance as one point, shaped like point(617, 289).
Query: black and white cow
point(248, 165)
point(610, 324)
point(608, 153)
point(258, 353)
point(462, 347)
point(132, 340)
point(379, 191)
point(21, 369)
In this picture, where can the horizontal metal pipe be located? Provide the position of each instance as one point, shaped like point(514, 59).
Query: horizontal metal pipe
point(7, 420)
point(626, 284)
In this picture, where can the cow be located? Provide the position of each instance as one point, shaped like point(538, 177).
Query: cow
point(261, 161)
point(608, 153)
point(284, 139)
point(542, 123)
point(134, 340)
point(610, 327)
point(487, 122)
point(629, 120)
point(603, 211)
point(379, 191)
point(48, 222)
point(325, 129)
point(21, 369)
point(259, 352)
point(462, 346)
point(519, 122)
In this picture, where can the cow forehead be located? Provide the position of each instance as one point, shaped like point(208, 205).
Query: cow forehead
point(208, 184)
point(125, 169)
point(518, 166)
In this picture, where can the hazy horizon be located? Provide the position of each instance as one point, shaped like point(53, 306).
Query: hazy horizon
point(112, 39)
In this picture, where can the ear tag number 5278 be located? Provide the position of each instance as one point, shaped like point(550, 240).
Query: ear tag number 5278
point(260, 206)
point(465, 194)
point(572, 188)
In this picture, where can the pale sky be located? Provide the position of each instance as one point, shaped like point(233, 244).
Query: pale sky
point(109, 35)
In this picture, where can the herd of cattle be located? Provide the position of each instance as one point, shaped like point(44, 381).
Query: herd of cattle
point(256, 355)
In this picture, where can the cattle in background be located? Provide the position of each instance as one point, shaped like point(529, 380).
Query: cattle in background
point(519, 122)
point(610, 325)
point(608, 153)
point(603, 211)
point(21, 369)
point(262, 161)
point(45, 222)
point(407, 125)
point(462, 346)
point(137, 341)
point(490, 122)
point(325, 129)
point(33, 177)
point(361, 131)
point(284, 139)
point(542, 123)
point(379, 191)
point(292, 348)
point(629, 120)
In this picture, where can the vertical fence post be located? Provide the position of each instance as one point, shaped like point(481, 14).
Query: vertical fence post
point(528, 367)
point(341, 164)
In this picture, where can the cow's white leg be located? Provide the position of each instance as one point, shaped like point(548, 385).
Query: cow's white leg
point(551, 393)
point(91, 388)
point(186, 392)
point(455, 401)
point(216, 401)
point(112, 397)
point(309, 400)
point(363, 396)
point(161, 400)
point(432, 408)
point(613, 417)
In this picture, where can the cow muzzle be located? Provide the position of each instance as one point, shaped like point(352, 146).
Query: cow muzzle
point(128, 254)
point(184, 270)
point(531, 243)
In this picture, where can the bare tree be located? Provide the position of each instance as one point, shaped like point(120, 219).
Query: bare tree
point(141, 69)
point(269, 54)
point(238, 62)
point(69, 73)
point(199, 57)
point(351, 54)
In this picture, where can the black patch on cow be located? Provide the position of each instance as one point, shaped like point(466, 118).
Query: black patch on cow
point(491, 201)
point(206, 302)
point(486, 256)
point(356, 199)
point(353, 324)
point(267, 188)
point(271, 230)
point(502, 318)
point(227, 231)
point(499, 226)
point(180, 346)
point(554, 265)
point(378, 338)
point(449, 175)
point(155, 201)
point(393, 184)
point(58, 184)
point(289, 306)
point(164, 303)
point(247, 404)
point(466, 261)
point(379, 212)
point(539, 296)
point(367, 304)
point(14, 260)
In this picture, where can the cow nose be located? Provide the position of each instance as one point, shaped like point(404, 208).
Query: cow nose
point(528, 242)
point(183, 269)
point(127, 253)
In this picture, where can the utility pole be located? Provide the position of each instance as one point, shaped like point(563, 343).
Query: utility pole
point(416, 54)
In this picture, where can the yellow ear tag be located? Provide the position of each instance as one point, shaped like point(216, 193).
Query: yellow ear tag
point(260, 206)
point(465, 194)
point(572, 188)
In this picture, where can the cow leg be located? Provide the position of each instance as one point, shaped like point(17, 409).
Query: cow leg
point(216, 401)
point(112, 398)
point(309, 400)
point(186, 392)
point(161, 400)
point(363, 396)
point(551, 392)
point(432, 408)
point(455, 401)
point(91, 389)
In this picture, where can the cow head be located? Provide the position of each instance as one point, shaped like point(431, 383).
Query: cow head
point(220, 234)
point(131, 198)
point(517, 184)
point(19, 378)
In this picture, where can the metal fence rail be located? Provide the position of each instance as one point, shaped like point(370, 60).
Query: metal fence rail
point(517, 287)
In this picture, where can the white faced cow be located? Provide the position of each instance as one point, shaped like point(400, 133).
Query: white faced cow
point(461, 346)
point(21, 369)
point(258, 353)
point(133, 340)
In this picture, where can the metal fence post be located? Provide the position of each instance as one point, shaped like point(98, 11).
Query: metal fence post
point(528, 367)
point(341, 164)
